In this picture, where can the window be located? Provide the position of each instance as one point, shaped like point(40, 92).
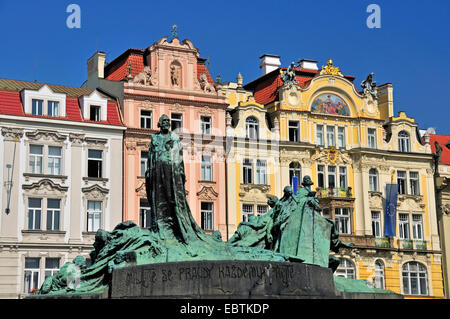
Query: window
point(379, 274)
point(261, 170)
point(95, 163)
point(207, 216)
point(261, 210)
point(414, 277)
point(373, 180)
point(34, 213)
point(417, 227)
point(248, 171)
point(146, 119)
point(319, 135)
point(343, 177)
point(341, 137)
point(414, 183)
point(144, 213)
point(294, 131)
point(36, 156)
point(247, 210)
point(345, 269)
point(176, 121)
point(206, 168)
point(376, 224)
point(53, 108)
point(401, 181)
point(251, 127)
point(321, 176)
point(144, 162)
point(53, 213)
point(295, 169)
point(94, 112)
point(205, 124)
point(36, 107)
point(403, 226)
point(331, 176)
point(403, 141)
point(31, 274)
point(54, 160)
point(94, 215)
point(371, 138)
point(51, 267)
point(330, 136)
point(342, 217)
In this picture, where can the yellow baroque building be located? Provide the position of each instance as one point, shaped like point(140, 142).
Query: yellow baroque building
point(303, 120)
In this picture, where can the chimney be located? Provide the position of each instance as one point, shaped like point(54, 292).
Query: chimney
point(96, 65)
point(269, 62)
point(308, 64)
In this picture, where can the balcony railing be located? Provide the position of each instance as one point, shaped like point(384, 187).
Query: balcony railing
point(382, 242)
point(340, 192)
point(406, 244)
point(421, 244)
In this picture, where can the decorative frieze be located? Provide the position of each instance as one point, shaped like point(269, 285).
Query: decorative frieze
point(12, 134)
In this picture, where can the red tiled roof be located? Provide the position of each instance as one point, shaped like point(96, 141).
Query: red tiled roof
point(201, 68)
point(117, 70)
point(442, 140)
point(11, 103)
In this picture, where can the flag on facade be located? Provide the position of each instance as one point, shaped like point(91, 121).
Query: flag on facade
point(294, 184)
point(390, 210)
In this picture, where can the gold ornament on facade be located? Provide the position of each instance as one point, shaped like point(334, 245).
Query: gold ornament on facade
point(329, 69)
point(332, 155)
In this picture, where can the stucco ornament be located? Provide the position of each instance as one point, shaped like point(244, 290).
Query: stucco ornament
point(205, 85)
point(174, 75)
point(145, 77)
point(329, 69)
point(288, 76)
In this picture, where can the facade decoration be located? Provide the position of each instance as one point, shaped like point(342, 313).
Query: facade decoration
point(330, 69)
point(330, 104)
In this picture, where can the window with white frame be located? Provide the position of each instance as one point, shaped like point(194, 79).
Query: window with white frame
point(341, 137)
point(206, 167)
point(247, 210)
point(205, 124)
point(176, 121)
point(342, 219)
point(371, 138)
point(319, 135)
point(261, 172)
point(94, 113)
point(54, 160)
point(415, 279)
point(53, 213)
point(34, 213)
point(342, 177)
point(376, 224)
point(321, 176)
point(331, 136)
point(35, 158)
point(36, 107)
point(94, 215)
point(414, 183)
point(401, 181)
point(53, 108)
point(261, 210)
point(144, 213)
point(146, 119)
point(403, 141)
point(295, 169)
point(345, 269)
point(31, 274)
point(294, 131)
point(251, 128)
point(43, 102)
point(417, 227)
point(207, 215)
point(373, 180)
point(331, 176)
point(51, 267)
point(144, 162)
point(379, 274)
point(95, 163)
point(403, 226)
point(247, 171)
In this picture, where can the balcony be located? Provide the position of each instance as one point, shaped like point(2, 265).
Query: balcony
point(413, 244)
point(337, 192)
point(421, 244)
point(405, 243)
point(382, 242)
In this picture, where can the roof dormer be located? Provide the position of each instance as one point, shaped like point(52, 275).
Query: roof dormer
point(94, 107)
point(44, 102)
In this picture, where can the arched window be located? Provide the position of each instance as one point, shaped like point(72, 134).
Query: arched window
point(251, 127)
point(379, 274)
point(373, 180)
point(415, 280)
point(403, 141)
point(295, 169)
point(346, 269)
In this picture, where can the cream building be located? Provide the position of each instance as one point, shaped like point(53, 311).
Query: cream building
point(61, 164)
point(310, 121)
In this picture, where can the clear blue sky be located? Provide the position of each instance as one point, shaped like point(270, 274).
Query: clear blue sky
point(411, 50)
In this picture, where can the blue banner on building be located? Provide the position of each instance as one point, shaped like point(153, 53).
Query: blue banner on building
point(390, 210)
point(294, 184)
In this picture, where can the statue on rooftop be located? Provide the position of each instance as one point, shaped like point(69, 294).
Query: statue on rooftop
point(369, 85)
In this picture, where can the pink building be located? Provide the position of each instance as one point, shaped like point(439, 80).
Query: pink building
point(171, 78)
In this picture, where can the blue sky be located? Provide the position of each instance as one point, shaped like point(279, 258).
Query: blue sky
point(411, 50)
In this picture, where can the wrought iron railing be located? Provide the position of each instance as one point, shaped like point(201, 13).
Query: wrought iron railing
point(406, 244)
point(340, 192)
point(382, 242)
point(421, 244)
